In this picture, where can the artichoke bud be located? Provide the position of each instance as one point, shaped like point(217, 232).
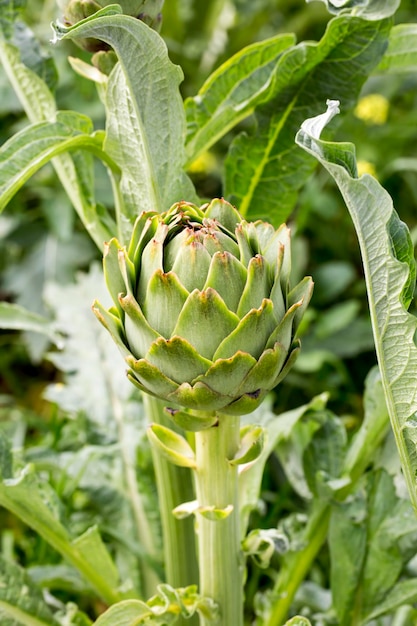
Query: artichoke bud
point(203, 308)
point(148, 11)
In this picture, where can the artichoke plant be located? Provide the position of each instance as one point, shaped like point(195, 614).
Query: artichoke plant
point(203, 311)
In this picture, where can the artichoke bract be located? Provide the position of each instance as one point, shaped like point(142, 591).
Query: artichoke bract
point(204, 313)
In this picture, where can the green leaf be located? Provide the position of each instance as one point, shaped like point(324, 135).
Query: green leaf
point(347, 543)
point(75, 172)
point(371, 538)
point(264, 169)
point(21, 602)
point(401, 55)
point(33, 56)
point(172, 445)
point(189, 421)
point(251, 445)
point(405, 592)
point(36, 504)
point(231, 93)
point(298, 621)
point(145, 114)
point(278, 428)
point(17, 33)
point(15, 317)
point(368, 9)
point(126, 613)
point(323, 458)
point(389, 269)
point(373, 428)
point(33, 147)
point(392, 539)
point(90, 545)
point(161, 609)
point(261, 544)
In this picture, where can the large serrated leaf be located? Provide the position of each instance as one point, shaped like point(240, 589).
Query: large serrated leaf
point(145, 113)
point(75, 172)
point(231, 93)
point(36, 504)
point(389, 269)
point(264, 169)
point(21, 602)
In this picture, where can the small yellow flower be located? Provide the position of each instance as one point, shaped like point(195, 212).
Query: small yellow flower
point(205, 163)
point(366, 167)
point(372, 109)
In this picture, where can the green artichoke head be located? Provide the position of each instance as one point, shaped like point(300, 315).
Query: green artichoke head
point(204, 313)
point(148, 11)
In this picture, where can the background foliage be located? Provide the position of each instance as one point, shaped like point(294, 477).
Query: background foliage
point(60, 400)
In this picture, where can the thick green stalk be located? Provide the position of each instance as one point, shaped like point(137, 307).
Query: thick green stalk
point(174, 487)
point(220, 558)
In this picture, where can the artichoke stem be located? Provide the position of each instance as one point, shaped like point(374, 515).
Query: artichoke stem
point(220, 557)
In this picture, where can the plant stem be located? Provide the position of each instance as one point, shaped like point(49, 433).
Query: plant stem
point(220, 559)
point(174, 487)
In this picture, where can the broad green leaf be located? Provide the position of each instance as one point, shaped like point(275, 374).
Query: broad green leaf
point(21, 602)
point(231, 93)
point(30, 149)
point(277, 428)
point(75, 172)
point(264, 168)
point(145, 114)
point(347, 544)
point(35, 503)
point(401, 55)
point(405, 592)
point(17, 33)
point(323, 459)
point(9, 12)
point(371, 537)
point(390, 279)
point(15, 317)
point(33, 93)
point(392, 540)
point(373, 428)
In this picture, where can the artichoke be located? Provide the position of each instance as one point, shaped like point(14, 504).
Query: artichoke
point(203, 313)
point(148, 11)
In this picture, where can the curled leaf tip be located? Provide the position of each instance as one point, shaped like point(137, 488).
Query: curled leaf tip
point(314, 126)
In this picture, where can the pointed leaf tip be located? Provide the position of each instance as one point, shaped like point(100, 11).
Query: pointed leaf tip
point(173, 446)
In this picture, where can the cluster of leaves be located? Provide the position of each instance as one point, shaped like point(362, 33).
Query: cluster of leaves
point(75, 464)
